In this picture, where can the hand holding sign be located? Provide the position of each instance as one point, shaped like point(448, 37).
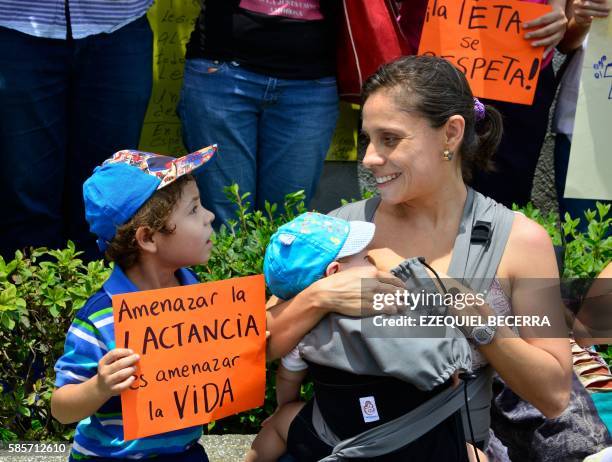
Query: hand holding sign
point(484, 39)
point(201, 349)
point(116, 371)
point(549, 29)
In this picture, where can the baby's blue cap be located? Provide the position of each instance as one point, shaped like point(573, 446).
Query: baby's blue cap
point(300, 251)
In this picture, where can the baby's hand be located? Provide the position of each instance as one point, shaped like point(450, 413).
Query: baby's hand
point(116, 371)
point(384, 259)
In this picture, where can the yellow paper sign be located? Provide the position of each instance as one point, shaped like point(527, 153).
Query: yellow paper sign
point(484, 39)
point(202, 353)
point(172, 23)
point(589, 174)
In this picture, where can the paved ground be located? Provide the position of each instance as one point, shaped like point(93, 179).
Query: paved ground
point(220, 448)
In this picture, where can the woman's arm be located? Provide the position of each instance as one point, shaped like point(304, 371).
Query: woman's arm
point(538, 369)
point(343, 292)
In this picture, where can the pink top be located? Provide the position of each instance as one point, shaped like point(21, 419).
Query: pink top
point(304, 10)
point(412, 16)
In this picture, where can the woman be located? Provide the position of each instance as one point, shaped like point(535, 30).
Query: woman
point(260, 81)
point(424, 142)
point(525, 126)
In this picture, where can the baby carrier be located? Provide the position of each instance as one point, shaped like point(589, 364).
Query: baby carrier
point(337, 341)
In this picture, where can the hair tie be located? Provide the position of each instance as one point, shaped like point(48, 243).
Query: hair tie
point(479, 110)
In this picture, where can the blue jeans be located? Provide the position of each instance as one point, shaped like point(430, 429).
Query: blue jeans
point(575, 207)
point(273, 134)
point(65, 106)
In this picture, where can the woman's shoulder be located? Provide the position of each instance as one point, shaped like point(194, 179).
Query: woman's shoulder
point(529, 251)
point(362, 210)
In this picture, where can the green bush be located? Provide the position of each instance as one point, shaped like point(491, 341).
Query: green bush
point(585, 254)
point(39, 293)
point(38, 296)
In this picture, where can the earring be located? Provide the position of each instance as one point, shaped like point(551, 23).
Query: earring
point(447, 154)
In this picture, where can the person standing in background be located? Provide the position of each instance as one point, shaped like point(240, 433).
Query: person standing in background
point(260, 82)
point(524, 126)
point(75, 81)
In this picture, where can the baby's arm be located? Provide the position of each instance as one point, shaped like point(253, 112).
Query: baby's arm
point(291, 372)
point(76, 401)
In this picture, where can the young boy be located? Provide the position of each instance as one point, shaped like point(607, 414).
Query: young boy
point(145, 210)
point(309, 247)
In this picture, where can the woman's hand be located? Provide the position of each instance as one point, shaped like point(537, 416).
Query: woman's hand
point(350, 292)
point(547, 30)
point(586, 10)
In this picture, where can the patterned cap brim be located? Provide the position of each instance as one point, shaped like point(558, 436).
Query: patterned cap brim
point(166, 168)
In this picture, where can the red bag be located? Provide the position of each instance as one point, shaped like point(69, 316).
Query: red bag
point(370, 36)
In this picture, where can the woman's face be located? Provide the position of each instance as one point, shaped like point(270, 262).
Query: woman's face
point(404, 152)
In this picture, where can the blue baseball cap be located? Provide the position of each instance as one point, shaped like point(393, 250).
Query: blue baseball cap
point(123, 183)
point(300, 251)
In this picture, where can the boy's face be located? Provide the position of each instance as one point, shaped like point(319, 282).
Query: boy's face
point(190, 242)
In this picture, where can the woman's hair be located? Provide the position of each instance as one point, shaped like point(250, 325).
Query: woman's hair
point(154, 213)
point(435, 89)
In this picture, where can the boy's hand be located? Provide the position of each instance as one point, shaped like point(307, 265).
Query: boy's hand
point(115, 371)
point(586, 10)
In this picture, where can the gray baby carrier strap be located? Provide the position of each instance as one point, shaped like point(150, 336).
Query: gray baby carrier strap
point(481, 239)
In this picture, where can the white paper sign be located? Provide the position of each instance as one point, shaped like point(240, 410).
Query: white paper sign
point(589, 173)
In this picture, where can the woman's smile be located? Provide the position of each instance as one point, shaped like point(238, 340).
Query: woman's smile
point(382, 181)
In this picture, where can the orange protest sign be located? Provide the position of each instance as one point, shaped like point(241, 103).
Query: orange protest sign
point(484, 39)
point(202, 353)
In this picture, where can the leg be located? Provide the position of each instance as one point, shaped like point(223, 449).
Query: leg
point(112, 84)
point(518, 153)
point(271, 441)
point(220, 104)
point(33, 93)
point(295, 132)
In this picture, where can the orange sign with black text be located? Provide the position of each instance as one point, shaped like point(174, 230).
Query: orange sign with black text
point(484, 39)
point(202, 353)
